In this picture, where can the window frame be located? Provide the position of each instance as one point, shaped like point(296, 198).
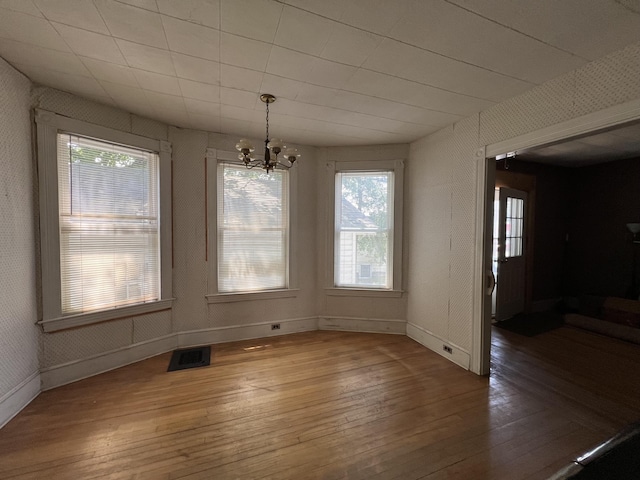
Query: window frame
point(48, 125)
point(334, 167)
point(214, 157)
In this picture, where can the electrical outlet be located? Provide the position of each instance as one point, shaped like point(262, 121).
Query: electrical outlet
point(447, 348)
point(275, 326)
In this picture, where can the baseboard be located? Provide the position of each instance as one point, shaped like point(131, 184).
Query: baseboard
point(210, 336)
point(368, 325)
point(87, 367)
point(433, 342)
point(544, 305)
point(19, 397)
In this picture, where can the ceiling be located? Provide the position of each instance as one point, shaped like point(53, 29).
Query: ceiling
point(346, 72)
point(608, 146)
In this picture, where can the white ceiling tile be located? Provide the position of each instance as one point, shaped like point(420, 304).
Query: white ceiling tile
point(327, 8)
point(240, 78)
point(330, 74)
point(244, 114)
point(203, 12)
point(239, 127)
point(199, 91)
point(110, 72)
point(462, 35)
point(257, 19)
point(244, 52)
point(191, 39)
point(73, 12)
point(290, 64)
point(393, 110)
point(302, 31)
point(281, 87)
point(412, 63)
point(167, 103)
point(132, 23)
point(378, 16)
point(196, 69)
point(145, 4)
point(31, 30)
point(316, 95)
point(200, 107)
point(147, 58)
point(350, 45)
point(81, 85)
point(565, 28)
point(157, 82)
point(90, 44)
point(238, 98)
point(16, 52)
point(125, 95)
point(24, 6)
point(412, 93)
point(204, 122)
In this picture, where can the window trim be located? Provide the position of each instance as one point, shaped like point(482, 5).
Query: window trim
point(48, 125)
point(395, 166)
point(213, 158)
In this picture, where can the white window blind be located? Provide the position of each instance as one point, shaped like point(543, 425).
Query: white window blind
point(364, 230)
point(253, 229)
point(109, 225)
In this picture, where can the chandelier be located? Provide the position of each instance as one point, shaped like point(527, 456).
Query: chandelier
point(272, 148)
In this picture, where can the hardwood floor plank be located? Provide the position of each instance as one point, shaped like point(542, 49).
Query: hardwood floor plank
point(333, 405)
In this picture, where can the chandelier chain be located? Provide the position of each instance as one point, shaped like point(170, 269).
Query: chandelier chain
point(267, 137)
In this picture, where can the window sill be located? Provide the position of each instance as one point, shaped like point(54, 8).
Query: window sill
point(72, 321)
point(363, 292)
point(249, 296)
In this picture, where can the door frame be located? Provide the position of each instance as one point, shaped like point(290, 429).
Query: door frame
point(480, 361)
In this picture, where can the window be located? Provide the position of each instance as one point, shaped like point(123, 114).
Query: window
point(253, 229)
point(364, 235)
point(366, 228)
point(105, 227)
point(109, 225)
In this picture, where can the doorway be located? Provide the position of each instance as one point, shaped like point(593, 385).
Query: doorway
point(509, 252)
point(582, 127)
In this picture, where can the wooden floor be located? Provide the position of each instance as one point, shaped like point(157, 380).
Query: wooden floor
point(332, 405)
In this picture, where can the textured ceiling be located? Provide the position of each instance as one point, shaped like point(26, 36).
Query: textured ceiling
point(617, 144)
point(345, 72)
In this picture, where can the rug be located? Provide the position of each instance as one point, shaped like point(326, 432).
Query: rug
point(532, 324)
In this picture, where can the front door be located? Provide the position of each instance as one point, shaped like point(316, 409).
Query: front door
point(510, 281)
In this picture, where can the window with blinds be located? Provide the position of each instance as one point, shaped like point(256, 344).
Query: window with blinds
point(253, 229)
point(364, 230)
point(109, 225)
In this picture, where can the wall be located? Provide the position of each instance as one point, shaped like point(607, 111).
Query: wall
point(443, 191)
point(19, 379)
point(604, 198)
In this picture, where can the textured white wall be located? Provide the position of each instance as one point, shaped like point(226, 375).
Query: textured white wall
point(18, 306)
point(442, 176)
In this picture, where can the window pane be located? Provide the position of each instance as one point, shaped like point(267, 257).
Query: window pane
point(253, 221)
point(364, 223)
point(109, 226)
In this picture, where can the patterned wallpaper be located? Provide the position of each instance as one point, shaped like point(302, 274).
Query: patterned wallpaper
point(18, 312)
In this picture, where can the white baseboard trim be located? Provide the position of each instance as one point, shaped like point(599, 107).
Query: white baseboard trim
point(12, 402)
point(544, 305)
point(364, 325)
point(210, 336)
point(87, 367)
point(433, 342)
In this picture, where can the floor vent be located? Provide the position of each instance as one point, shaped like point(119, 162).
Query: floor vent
point(190, 358)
